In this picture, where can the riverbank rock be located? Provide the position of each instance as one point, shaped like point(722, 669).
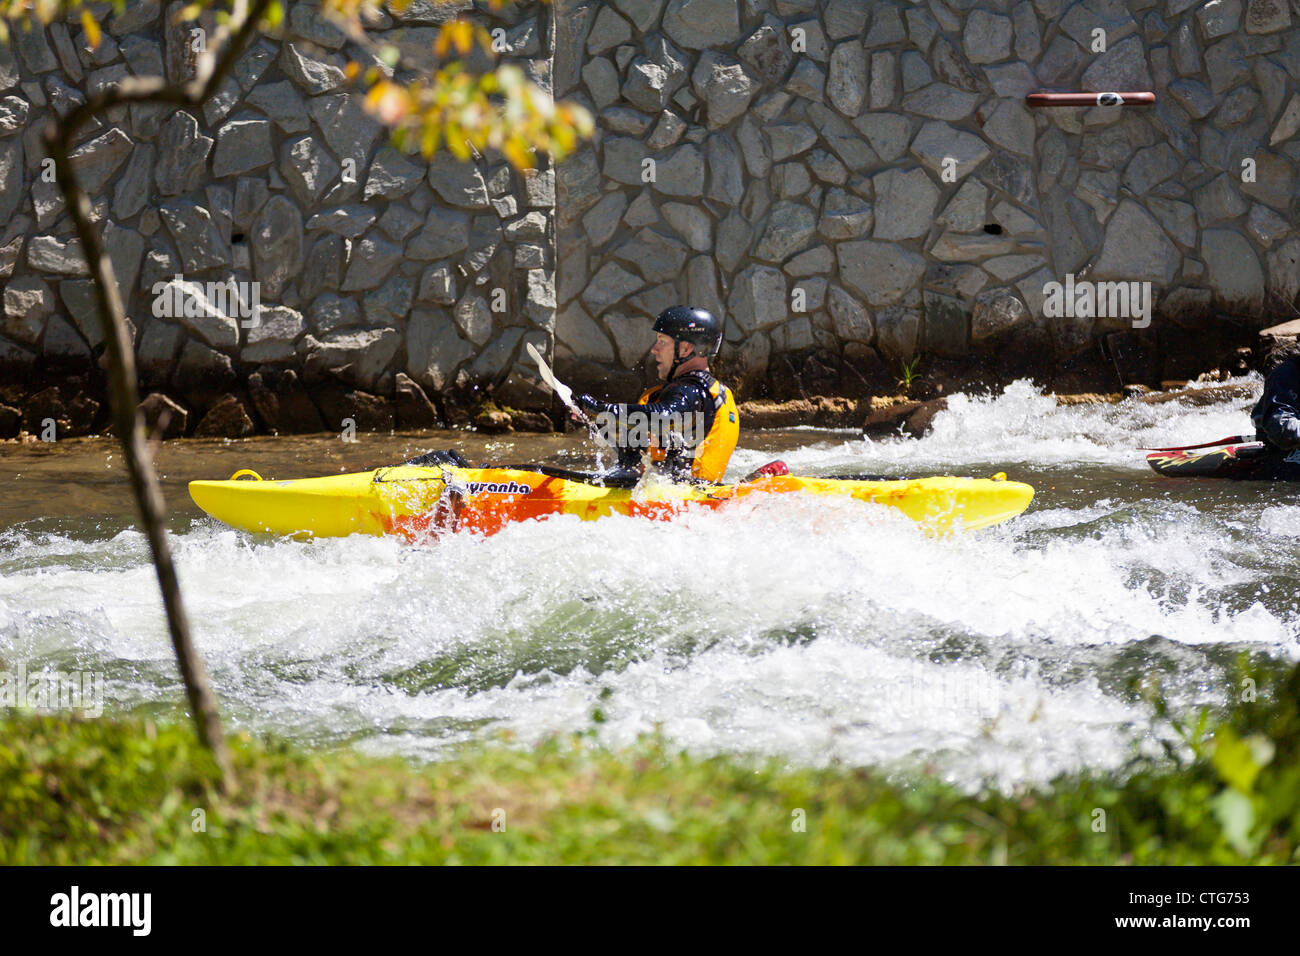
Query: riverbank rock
point(1276, 344)
point(163, 418)
point(493, 420)
point(818, 410)
point(226, 419)
point(918, 423)
point(72, 411)
point(346, 410)
point(1201, 396)
point(11, 422)
point(282, 403)
point(532, 421)
point(910, 417)
point(414, 410)
point(1089, 398)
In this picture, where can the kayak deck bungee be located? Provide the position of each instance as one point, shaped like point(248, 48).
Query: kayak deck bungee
point(416, 502)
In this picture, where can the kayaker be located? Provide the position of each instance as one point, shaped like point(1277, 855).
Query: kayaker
point(689, 424)
point(1277, 413)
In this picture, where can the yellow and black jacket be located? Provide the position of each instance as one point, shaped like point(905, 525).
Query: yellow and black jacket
point(701, 447)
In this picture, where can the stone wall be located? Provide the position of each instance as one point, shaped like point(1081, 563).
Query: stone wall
point(385, 280)
point(782, 161)
point(851, 184)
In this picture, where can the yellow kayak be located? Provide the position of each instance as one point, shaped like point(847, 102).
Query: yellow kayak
point(417, 501)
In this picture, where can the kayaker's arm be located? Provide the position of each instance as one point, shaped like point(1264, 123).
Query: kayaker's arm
point(675, 398)
point(1280, 427)
point(1277, 415)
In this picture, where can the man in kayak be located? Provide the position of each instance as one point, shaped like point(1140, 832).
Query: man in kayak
point(689, 424)
point(1277, 413)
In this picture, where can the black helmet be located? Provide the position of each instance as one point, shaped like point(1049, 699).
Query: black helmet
point(696, 326)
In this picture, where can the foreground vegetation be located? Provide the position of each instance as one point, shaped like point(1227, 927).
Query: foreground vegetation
point(131, 791)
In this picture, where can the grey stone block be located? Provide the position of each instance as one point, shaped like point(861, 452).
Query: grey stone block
point(314, 75)
point(277, 246)
point(987, 37)
point(97, 160)
point(1135, 248)
point(197, 237)
point(790, 228)
point(767, 51)
point(700, 24)
point(905, 204)
point(182, 155)
point(940, 101)
point(243, 145)
point(759, 299)
point(881, 272)
point(846, 83)
point(308, 168)
point(725, 87)
point(1233, 268)
point(283, 104)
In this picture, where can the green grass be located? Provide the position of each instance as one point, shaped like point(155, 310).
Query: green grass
point(104, 791)
point(908, 373)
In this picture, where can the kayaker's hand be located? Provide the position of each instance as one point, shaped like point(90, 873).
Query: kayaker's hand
point(588, 404)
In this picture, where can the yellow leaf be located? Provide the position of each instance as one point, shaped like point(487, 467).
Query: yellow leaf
point(463, 34)
point(374, 94)
point(455, 33)
point(456, 142)
point(429, 141)
point(519, 156)
point(91, 27)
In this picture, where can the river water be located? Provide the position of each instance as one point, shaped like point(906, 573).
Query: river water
point(811, 631)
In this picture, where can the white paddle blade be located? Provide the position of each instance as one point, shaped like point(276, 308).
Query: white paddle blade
point(564, 392)
point(559, 388)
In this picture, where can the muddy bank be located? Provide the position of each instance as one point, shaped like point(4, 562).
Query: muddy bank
point(53, 408)
point(878, 416)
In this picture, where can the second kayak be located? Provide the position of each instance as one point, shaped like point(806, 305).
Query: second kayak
point(1243, 461)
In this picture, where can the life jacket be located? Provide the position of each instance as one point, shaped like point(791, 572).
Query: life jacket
point(710, 456)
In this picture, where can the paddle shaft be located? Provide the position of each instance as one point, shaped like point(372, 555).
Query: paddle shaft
point(1233, 440)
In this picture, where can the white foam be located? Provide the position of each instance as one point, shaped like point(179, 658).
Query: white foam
point(1024, 424)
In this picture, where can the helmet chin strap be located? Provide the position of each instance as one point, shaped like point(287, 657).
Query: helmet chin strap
point(678, 359)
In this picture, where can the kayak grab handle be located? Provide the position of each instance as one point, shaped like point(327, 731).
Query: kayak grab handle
point(1000, 476)
point(245, 474)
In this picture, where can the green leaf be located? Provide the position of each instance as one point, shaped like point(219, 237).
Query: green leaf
point(1236, 814)
point(1236, 760)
